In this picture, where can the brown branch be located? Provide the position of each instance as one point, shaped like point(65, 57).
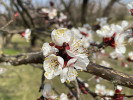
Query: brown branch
point(6, 32)
point(78, 90)
point(109, 74)
point(26, 58)
point(83, 13)
point(68, 10)
point(26, 24)
point(108, 8)
point(20, 3)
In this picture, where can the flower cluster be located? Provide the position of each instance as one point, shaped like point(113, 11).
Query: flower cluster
point(118, 95)
point(50, 13)
point(112, 36)
point(102, 21)
point(49, 94)
point(130, 56)
point(84, 34)
point(64, 55)
point(130, 8)
point(101, 90)
point(26, 34)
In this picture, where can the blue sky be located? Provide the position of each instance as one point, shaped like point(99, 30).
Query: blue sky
point(45, 3)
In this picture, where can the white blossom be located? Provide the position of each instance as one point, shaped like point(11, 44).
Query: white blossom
point(119, 88)
point(109, 92)
point(27, 34)
point(130, 7)
point(130, 40)
point(62, 17)
point(60, 36)
point(77, 33)
point(76, 49)
point(63, 97)
point(87, 26)
point(106, 31)
point(45, 10)
point(120, 43)
point(119, 28)
point(130, 55)
point(68, 74)
point(82, 29)
point(48, 93)
point(64, 56)
point(102, 21)
point(100, 89)
point(52, 13)
point(53, 66)
point(47, 49)
point(104, 63)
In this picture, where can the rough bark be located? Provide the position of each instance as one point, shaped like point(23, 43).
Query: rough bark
point(110, 74)
point(26, 58)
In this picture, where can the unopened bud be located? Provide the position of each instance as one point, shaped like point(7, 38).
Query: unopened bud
point(16, 14)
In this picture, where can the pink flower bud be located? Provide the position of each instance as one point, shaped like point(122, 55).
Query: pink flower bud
point(16, 14)
point(23, 34)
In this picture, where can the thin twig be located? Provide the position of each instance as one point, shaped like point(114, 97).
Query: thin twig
point(77, 88)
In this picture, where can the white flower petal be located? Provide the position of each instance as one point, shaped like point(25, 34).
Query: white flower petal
point(72, 74)
point(120, 49)
point(63, 97)
point(49, 75)
point(81, 63)
point(61, 36)
point(47, 49)
point(47, 88)
point(53, 65)
point(71, 62)
point(124, 24)
point(63, 75)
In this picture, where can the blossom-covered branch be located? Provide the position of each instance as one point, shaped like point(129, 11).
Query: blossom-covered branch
point(95, 69)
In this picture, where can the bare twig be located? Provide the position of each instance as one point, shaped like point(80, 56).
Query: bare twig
point(78, 91)
point(89, 79)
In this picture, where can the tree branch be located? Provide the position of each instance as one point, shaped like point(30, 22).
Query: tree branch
point(78, 91)
point(109, 74)
point(26, 58)
point(108, 8)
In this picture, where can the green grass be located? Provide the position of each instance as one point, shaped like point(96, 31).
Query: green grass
point(20, 83)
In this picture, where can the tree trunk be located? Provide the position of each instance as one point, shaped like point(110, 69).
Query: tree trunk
point(83, 13)
point(108, 8)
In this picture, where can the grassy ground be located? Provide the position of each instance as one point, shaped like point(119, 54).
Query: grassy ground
point(22, 82)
